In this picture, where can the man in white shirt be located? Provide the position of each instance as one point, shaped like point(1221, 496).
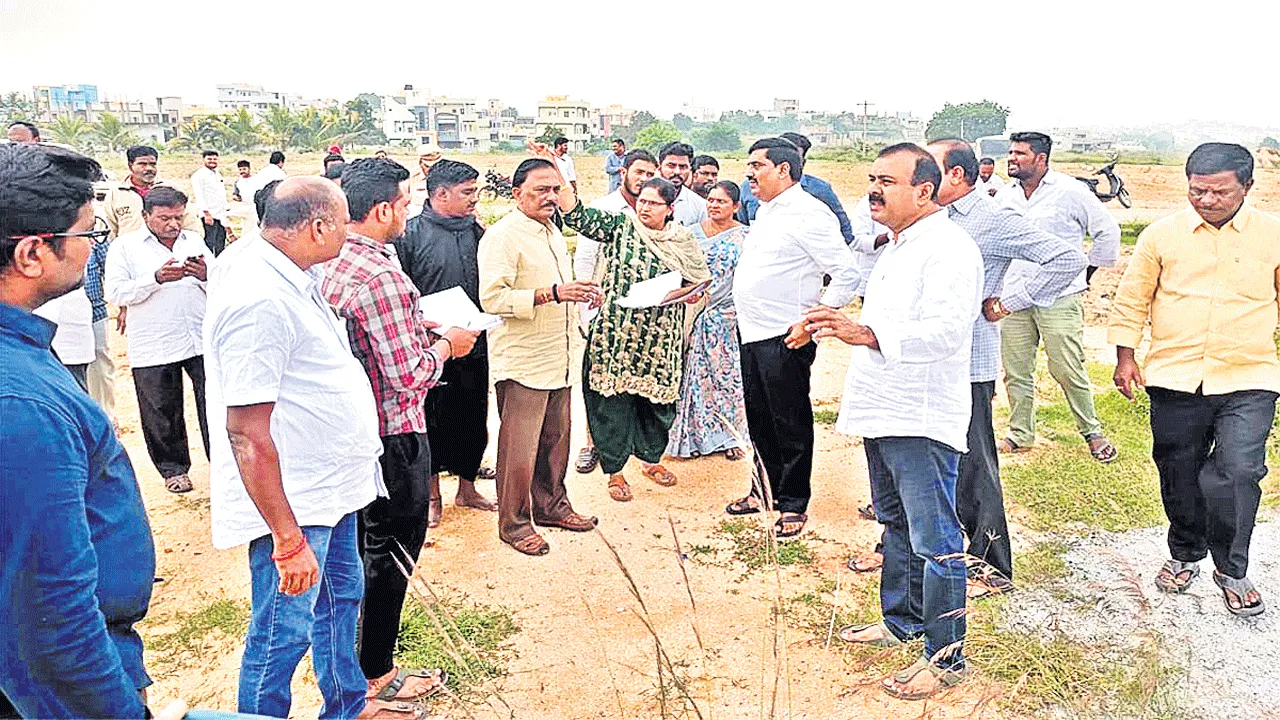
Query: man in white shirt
point(560, 148)
point(794, 242)
point(868, 236)
point(675, 163)
point(1061, 206)
point(73, 342)
point(210, 196)
point(295, 452)
point(158, 273)
point(907, 394)
point(988, 181)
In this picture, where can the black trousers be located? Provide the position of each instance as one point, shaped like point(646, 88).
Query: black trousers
point(979, 497)
point(215, 237)
point(775, 384)
point(1211, 452)
point(392, 529)
point(160, 409)
point(458, 415)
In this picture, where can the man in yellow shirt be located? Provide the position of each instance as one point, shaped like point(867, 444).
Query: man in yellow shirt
point(1209, 278)
point(526, 276)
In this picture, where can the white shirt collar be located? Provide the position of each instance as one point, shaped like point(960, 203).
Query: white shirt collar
point(920, 226)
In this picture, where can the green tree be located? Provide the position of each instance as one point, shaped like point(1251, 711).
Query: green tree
point(549, 134)
point(238, 132)
point(112, 135)
point(683, 122)
point(721, 137)
point(1270, 143)
point(278, 127)
point(198, 133)
point(653, 137)
point(72, 131)
point(314, 130)
point(15, 106)
point(363, 120)
point(968, 121)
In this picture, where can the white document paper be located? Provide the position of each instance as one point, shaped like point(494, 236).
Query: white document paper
point(651, 293)
point(453, 309)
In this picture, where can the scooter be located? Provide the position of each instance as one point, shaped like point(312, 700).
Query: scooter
point(1115, 184)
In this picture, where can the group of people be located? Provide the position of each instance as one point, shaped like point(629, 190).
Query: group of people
point(329, 406)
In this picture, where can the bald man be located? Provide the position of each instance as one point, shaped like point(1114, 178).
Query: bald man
point(280, 375)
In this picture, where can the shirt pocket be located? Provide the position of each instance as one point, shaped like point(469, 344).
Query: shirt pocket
point(1253, 273)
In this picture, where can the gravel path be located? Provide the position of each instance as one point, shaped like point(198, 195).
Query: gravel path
point(1230, 667)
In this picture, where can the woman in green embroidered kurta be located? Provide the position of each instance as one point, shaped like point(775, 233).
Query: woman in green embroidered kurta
point(635, 356)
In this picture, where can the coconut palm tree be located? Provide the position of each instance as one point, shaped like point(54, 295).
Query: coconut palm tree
point(112, 135)
point(72, 131)
point(238, 132)
point(316, 130)
point(279, 126)
point(197, 133)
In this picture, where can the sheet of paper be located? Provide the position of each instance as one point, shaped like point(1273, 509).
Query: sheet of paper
point(453, 309)
point(651, 293)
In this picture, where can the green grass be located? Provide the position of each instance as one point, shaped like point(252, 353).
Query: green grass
point(1129, 231)
point(230, 617)
point(1040, 565)
point(826, 416)
point(472, 648)
point(1143, 157)
point(749, 542)
point(1062, 487)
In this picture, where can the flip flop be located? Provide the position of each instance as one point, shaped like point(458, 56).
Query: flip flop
point(1240, 588)
point(867, 512)
point(1168, 579)
point(389, 691)
point(946, 679)
point(866, 563)
point(790, 519)
point(1104, 452)
point(742, 507)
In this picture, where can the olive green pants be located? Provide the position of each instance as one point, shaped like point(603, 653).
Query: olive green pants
point(1061, 327)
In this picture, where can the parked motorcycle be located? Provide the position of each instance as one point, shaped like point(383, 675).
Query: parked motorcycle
point(496, 186)
point(1115, 184)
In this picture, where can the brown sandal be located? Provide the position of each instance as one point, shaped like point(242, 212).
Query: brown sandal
point(734, 453)
point(619, 489)
point(785, 519)
point(573, 521)
point(870, 562)
point(532, 545)
point(384, 710)
point(659, 474)
point(1008, 447)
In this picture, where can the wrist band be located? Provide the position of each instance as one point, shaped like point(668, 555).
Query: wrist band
point(448, 342)
point(555, 292)
point(302, 544)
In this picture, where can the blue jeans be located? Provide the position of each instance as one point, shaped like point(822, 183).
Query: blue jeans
point(323, 618)
point(922, 585)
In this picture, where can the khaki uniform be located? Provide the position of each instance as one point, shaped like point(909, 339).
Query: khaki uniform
point(122, 209)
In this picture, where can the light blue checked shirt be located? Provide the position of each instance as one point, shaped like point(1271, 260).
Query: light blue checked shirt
point(1003, 235)
point(93, 274)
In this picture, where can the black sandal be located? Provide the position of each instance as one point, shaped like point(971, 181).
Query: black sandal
point(1170, 578)
point(743, 506)
point(783, 521)
point(1240, 588)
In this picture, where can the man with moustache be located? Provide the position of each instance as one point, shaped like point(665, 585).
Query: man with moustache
point(439, 251)
point(907, 395)
point(1062, 206)
point(706, 173)
point(988, 181)
point(209, 193)
point(535, 357)
point(638, 167)
point(817, 187)
point(795, 242)
point(675, 163)
point(403, 359)
point(613, 163)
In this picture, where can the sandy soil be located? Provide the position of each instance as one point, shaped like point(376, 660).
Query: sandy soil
point(579, 637)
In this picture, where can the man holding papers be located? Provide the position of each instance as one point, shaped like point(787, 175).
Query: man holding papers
point(439, 252)
point(526, 277)
point(366, 287)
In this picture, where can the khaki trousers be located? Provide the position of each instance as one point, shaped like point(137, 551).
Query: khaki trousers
point(533, 457)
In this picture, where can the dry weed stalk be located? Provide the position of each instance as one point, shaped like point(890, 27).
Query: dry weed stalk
point(434, 609)
point(595, 627)
point(663, 659)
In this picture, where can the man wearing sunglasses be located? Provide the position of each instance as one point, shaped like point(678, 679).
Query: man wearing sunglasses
point(76, 555)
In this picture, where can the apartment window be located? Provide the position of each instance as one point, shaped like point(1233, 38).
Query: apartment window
point(566, 113)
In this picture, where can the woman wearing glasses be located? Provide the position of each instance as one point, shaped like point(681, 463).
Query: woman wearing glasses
point(634, 360)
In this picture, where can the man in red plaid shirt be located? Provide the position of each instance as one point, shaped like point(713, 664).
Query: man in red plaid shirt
point(366, 286)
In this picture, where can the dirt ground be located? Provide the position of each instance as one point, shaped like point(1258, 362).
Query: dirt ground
point(581, 651)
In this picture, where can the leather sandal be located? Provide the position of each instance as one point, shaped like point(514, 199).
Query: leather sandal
point(573, 521)
point(1176, 576)
point(659, 474)
point(619, 489)
point(886, 640)
point(532, 545)
point(1240, 589)
point(946, 679)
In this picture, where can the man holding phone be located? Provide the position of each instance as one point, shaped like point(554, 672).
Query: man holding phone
point(158, 272)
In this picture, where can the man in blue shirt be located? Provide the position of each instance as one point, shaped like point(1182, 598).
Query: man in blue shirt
point(817, 187)
point(76, 556)
point(613, 163)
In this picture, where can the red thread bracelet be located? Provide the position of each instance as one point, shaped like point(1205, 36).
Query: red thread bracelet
point(279, 557)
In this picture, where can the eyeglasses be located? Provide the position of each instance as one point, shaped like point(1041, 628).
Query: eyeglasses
point(650, 203)
point(96, 235)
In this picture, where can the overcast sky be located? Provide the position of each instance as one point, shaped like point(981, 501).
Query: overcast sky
point(1055, 63)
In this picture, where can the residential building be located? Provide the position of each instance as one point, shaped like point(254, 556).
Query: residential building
point(572, 118)
point(53, 101)
point(612, 117)
point(253, 98)
point(399, 123)
point(783, 106)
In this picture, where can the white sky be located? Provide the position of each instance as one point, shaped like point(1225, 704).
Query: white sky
point(1055, 63)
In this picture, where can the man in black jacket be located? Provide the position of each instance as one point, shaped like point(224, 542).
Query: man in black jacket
point(438, 252)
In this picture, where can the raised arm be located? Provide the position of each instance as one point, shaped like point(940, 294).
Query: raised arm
point(1058, 264)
